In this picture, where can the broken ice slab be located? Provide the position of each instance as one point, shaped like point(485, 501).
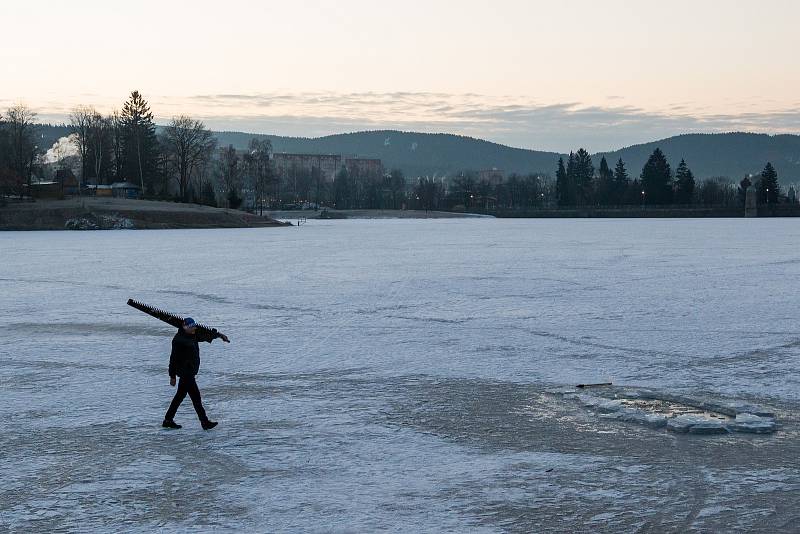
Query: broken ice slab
point(601, 404)
point(678, 413)
point(754, 428)
point(640, 417)
point(651, 419)
point(683, 423)
point(747, 408)
point(753, 424)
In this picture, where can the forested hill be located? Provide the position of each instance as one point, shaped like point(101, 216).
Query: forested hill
point(709, 155)
point(48, 134)
point(414, 153)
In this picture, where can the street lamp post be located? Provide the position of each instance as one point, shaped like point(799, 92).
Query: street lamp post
point(643, 197)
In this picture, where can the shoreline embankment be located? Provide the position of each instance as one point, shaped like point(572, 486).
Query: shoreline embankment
point(91, 213)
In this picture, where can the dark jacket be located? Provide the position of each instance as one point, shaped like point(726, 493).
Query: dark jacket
point(185, 357)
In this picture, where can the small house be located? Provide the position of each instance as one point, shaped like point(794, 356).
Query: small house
point(45, 190)
point(68, 181)
point(126, 190)
point(94, 190)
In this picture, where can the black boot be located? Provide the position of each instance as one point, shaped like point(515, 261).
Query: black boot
point(170, 424)
point(208, 425)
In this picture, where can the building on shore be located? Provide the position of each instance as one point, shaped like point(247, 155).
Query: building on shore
point(493, 176)
point(98, 190)
point(363, 166)
point(69, 182)
point(291, 166)
point(125, 190)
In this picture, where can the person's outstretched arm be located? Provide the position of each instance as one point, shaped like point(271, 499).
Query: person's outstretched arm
point(210, 335)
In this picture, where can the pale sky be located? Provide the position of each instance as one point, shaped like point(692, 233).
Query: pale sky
point(534, 74)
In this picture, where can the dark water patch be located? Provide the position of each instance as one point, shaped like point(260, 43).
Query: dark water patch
point(519, 417)
point(594, 474)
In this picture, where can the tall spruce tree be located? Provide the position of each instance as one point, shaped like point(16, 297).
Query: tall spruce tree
point(605, 183)
point(657, 179)
point(561, 183)
point(569, 196)
point(684, 184)
point(621, 183)
point(140, 146)
point(768, 188)
point(584, 177)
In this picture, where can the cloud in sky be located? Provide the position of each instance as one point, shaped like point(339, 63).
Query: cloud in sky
point(512, 120)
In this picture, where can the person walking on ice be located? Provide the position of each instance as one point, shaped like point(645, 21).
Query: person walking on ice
point(184, 362)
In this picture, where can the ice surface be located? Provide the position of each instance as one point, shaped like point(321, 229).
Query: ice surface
point(391, 375)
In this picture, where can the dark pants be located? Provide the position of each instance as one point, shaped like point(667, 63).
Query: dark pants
point(186, 384)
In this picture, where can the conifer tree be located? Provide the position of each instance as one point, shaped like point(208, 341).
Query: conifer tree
point(621, 183)
point(561, 183)
point(584, 177)
point(139, 140)
point(568, 195)
point(768, 188)
point(605, 183)
point(684, 184)
point(657, 179)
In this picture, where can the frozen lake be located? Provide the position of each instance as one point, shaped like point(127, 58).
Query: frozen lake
point(391, 375)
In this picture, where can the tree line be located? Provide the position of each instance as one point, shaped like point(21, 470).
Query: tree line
point(579, 184)
point(181, 161)
point(125, 145)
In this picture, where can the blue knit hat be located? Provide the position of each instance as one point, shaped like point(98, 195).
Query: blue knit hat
point(189, 322)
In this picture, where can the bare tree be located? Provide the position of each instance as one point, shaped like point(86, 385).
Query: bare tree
point(230, 173)
point(19, 123)
point(117, 143)
point(80, 120)
point(188, 145)
point(259, 169)
point(98, 142)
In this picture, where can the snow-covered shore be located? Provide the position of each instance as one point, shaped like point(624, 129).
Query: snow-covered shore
point(119, 213)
